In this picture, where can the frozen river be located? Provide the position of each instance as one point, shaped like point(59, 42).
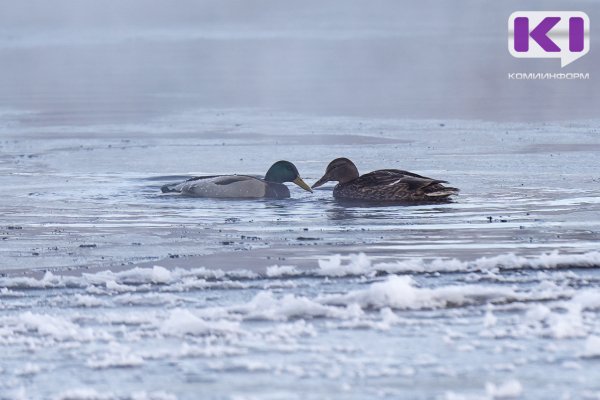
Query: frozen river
point(112, 290)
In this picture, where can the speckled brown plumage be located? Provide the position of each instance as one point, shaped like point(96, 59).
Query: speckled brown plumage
point(386, 185)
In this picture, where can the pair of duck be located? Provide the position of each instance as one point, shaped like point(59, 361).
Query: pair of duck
point(388, 185)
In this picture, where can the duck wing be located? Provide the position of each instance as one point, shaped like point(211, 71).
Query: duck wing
point(398, 179)
point(176, 187)
point(396, 185)
point(231, 179)
point(399, 172)
point(223, 186)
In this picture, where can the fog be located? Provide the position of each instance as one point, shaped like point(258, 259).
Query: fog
point(73, 61)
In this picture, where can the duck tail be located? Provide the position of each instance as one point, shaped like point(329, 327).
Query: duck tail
point(169, 188)
point(442, 192)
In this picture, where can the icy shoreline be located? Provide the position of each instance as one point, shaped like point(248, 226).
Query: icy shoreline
point(225, 329)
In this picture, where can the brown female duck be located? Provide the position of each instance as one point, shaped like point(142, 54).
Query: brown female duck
point(388, 185)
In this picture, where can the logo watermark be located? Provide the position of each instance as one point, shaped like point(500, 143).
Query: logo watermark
point(548, 75)
point(549, 34)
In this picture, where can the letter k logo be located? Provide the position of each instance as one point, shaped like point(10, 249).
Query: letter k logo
point(539, 34)
point(553, 34)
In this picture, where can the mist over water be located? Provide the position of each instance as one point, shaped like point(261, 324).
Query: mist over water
point(110, 289)
point(84, 60)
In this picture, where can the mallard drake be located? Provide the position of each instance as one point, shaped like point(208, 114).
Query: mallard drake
point(242, 186)
point(383, 185)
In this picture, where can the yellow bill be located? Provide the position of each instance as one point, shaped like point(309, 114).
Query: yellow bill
point(298, 181)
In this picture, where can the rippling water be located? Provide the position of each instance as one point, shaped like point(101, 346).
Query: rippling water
point(79, 200)
point(111, 289)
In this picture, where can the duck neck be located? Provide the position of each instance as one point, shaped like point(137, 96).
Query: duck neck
point(349, 174)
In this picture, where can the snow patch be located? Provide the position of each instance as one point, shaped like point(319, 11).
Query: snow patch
point(115, 356)
point(510, 389)
point(181, 322)
point(510, 261)
point(81, 300)
point(359, 264)
point(92, 394)
point(275, 271)
point(592, 347)
point(266, 306)
point(83, 394)
point(400, 292)
point(54, 326)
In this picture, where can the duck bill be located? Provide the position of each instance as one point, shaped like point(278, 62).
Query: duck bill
point(298, 181)
point(321, 181)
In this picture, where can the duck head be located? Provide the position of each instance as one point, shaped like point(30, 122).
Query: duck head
point(340, 170)
point(285, 171)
